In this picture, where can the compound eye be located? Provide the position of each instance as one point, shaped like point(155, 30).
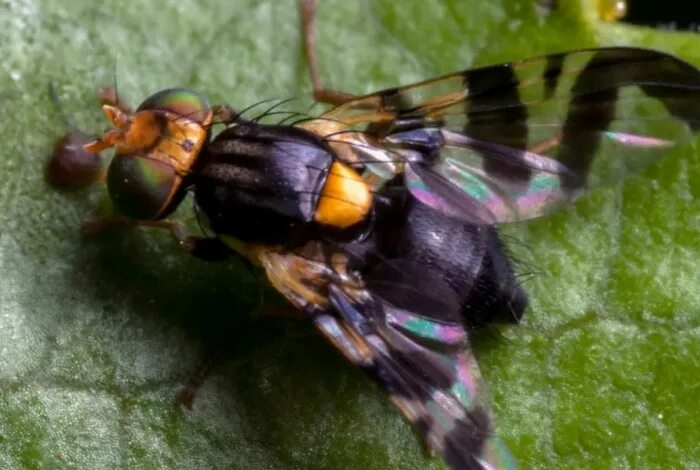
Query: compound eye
point(182, 102)
point(143, 188)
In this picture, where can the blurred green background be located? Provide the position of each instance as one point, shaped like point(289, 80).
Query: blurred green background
point(97, 335)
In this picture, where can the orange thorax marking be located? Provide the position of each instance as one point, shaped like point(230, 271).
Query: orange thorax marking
point(345, 198)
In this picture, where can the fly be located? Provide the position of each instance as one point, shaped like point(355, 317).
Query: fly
point(377, 218)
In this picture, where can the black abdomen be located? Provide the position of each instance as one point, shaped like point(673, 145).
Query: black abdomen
point(468, 258)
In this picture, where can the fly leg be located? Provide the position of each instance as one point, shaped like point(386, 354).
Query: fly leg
point(307, 10)
point(196, 380)
point(204, 248)
point(546, 144)
point(212, 358)
point(286, 311)
point(224, 114)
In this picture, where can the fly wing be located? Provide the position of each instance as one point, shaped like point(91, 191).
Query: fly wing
point(408, 337)
point(520, 139)
point(402, 326)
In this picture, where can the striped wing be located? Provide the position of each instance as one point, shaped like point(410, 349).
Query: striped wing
point(514, 141)
point(404, 329)
point(428, 370)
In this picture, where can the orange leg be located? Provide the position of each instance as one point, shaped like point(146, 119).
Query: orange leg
point(307, 9)
point(546, 144)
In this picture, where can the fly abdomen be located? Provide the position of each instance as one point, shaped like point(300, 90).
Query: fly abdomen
point(469, 258)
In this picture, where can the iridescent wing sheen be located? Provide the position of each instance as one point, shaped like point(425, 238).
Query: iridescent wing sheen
point(514, 141)
point(428, 369)
point(404, 329)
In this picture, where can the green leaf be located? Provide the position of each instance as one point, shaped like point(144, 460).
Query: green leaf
point(97, 335)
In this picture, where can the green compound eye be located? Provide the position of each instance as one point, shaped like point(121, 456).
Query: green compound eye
point(142, 188)
point(142, 179)
point(180, 101)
